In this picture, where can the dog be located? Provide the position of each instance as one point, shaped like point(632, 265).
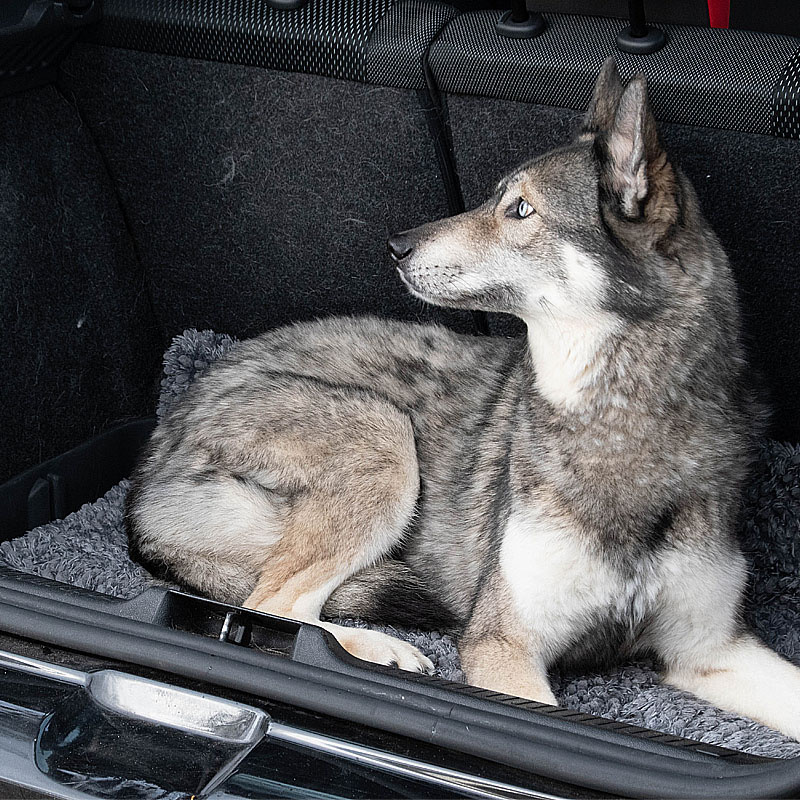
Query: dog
point(570, 496)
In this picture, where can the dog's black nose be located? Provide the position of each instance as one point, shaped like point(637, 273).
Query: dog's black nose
point(400, 246)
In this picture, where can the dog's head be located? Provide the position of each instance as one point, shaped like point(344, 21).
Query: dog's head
point(581, 230)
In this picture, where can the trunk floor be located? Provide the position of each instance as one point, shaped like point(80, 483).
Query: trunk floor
point(89, 549)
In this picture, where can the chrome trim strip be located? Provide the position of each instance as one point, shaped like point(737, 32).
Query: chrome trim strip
point(174, 707)
point(42, 669)
point(399, 765)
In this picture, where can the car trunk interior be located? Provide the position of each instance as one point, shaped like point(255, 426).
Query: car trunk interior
point(186, 172)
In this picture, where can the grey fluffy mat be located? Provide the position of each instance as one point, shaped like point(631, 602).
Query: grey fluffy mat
point(89, 549)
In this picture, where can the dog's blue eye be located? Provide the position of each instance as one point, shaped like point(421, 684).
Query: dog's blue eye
point(524, 208)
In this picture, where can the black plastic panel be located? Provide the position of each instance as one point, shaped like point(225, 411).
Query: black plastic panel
point(772, 16)
point(399, 41)
point(63, 484)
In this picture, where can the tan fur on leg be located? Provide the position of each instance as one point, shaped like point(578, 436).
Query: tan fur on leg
point(506, 666)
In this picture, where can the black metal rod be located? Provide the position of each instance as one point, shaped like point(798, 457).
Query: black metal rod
point(519, 11)
point(637, 18)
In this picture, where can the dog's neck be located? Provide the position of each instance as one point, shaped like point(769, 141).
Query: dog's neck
point(571, 359)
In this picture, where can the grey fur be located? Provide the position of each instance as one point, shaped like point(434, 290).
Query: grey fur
point(568, 497)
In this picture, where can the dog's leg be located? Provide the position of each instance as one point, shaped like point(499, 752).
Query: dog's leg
point(707, 651)
point(505, 665)
point(498, 653)
point(746, 677)
point(302, 596)
point(358, 491)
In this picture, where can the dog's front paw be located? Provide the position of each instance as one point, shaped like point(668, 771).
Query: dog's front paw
point(380, 648)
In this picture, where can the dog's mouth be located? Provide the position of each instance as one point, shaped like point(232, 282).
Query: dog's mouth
point(436, 285)
point(403, 277)
point(408, 282)
point(414, 287)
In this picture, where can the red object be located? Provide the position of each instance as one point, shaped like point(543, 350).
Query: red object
point(719, 13)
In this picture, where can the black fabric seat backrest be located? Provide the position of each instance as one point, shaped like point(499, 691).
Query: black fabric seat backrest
point(207, 164)
point(261, 182)
point(726, 98)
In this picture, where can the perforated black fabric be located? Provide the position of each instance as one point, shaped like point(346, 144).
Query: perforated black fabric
point(399, 41)
point(787, 101)
point(377, 40)
point(710, 78)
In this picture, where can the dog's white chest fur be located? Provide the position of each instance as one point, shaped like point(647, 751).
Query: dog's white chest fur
point(559, 587)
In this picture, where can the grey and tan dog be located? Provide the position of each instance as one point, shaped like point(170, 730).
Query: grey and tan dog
point(571, 495)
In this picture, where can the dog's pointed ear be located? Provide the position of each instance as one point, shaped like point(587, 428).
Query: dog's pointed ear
point(634, 157)
point(603, 106)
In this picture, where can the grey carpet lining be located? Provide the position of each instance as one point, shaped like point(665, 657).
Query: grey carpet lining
point(89, 549)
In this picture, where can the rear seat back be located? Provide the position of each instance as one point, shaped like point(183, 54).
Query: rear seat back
point(262, 196)
point(257, 158)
